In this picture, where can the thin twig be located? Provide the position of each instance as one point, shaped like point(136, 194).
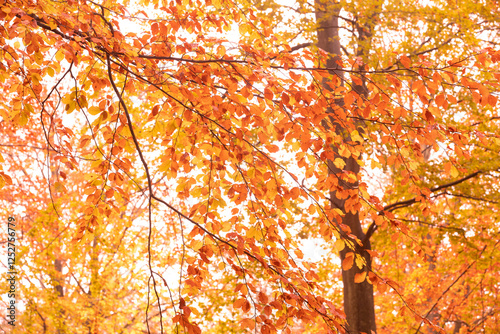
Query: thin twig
point(150, 188)
point(450, 286)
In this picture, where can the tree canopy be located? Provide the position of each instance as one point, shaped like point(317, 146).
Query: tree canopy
point(167, 162)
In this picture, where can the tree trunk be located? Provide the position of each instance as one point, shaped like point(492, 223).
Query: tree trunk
point(94, 288)
point(58, 266)
point(358, 297)
point(58, 278)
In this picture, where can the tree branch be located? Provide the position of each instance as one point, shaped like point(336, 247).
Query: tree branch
point(300, 46)
point(402, 204)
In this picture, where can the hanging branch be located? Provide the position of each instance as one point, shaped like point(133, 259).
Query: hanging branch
point(403, 204)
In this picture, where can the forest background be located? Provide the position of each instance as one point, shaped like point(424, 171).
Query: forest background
point(167, 161)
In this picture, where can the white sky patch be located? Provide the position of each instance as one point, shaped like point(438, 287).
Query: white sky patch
point(314, 249)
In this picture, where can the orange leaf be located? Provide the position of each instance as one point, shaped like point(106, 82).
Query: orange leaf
point(239, 303)
point(268, 94)
point(405, 61)
point(360, 277)
point(263, 298)
point(348, 261)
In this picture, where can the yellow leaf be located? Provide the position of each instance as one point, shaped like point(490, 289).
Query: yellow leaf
point(453, 171)
point(339, 244)
point(375, 164)
point(244, 29)
point(196, 244)
point(221, 51)
point(226, 227)
point(253, 233)
point(360, 262)
point(50, 71)
point(339, 163)
point(355, 136)
point(435, 111)
point(52, 24)
point(344, 151)
point(59, 56)
point(94, 110)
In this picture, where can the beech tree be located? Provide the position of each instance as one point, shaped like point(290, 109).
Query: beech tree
point(165, 161)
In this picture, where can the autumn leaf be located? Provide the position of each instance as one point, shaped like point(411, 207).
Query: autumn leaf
point(348, 261)
point(360, 277)
point(405, 61)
